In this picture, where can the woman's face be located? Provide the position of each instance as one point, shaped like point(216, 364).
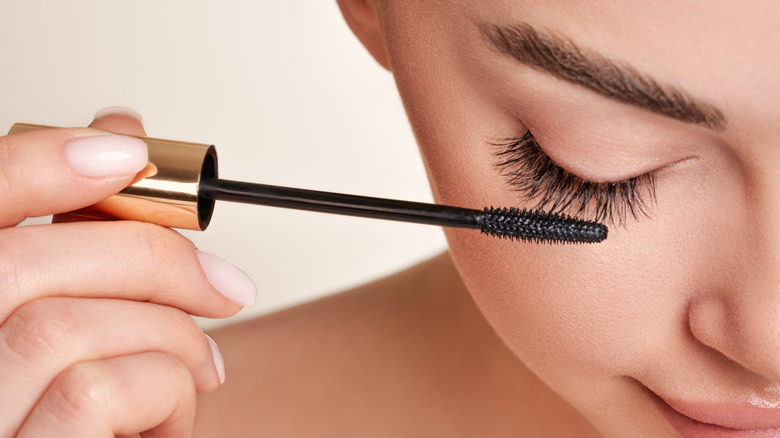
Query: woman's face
point(681, 304)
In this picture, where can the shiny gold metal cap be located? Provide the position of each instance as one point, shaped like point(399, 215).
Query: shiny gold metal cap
point(166, 191)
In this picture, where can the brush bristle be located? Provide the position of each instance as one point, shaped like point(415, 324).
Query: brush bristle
point(540, 227)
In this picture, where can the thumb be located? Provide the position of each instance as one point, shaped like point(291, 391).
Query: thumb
point(119, 120)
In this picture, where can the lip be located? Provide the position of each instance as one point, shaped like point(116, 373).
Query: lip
point(720, 420)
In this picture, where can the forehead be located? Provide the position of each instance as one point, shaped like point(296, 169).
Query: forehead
point(726, 51)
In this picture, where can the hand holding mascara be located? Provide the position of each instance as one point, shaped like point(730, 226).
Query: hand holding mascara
point(181, 183)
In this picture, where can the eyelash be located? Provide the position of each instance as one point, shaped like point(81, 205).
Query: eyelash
point(534, 175)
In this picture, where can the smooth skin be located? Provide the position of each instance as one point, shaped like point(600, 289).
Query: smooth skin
point(95, 336)
point(681, 305)
point(409, 355)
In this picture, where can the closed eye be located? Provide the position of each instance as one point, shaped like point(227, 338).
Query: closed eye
point(537, 178)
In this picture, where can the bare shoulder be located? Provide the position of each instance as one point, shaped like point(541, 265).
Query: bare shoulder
point(408, 355)
point(346, 330)
point(325, 361)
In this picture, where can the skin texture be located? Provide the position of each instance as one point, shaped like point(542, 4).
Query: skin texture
point(683, 304)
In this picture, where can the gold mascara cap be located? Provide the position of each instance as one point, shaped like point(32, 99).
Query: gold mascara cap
point(166, 191)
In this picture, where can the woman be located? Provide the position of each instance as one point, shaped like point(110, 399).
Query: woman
point(662, 115)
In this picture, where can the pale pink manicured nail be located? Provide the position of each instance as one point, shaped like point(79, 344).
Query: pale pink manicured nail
point(228, 279)
point(119, 110)
point(101, 156)
point(219, 361)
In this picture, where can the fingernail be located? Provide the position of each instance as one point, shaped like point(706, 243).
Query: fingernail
point(119, 110)
point(101, 156)
point(228, 279)
point(219, 361)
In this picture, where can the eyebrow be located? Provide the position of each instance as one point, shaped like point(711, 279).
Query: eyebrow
point(563, 59)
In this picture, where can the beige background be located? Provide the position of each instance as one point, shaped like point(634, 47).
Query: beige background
point(282, 88)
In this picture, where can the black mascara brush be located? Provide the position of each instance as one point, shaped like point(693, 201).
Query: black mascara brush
point(180, 185)
point(508, 223)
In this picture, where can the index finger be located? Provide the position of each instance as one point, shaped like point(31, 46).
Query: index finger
point(58, 170)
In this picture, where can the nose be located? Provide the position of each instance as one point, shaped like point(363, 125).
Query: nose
point(741, 319)
point(746, 331)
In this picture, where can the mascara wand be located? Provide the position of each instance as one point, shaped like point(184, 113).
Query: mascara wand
point(510, 223)
point(180, 185)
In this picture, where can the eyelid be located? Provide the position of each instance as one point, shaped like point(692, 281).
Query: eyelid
point(677, 164)
point(599, 157)
point(534, 175)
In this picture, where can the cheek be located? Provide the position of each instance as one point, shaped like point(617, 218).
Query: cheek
point(562, 310)
point(577, 313)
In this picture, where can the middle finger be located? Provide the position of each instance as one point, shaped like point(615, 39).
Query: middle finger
point(124, 259)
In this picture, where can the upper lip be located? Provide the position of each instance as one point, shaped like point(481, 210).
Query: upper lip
point(741, 416)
